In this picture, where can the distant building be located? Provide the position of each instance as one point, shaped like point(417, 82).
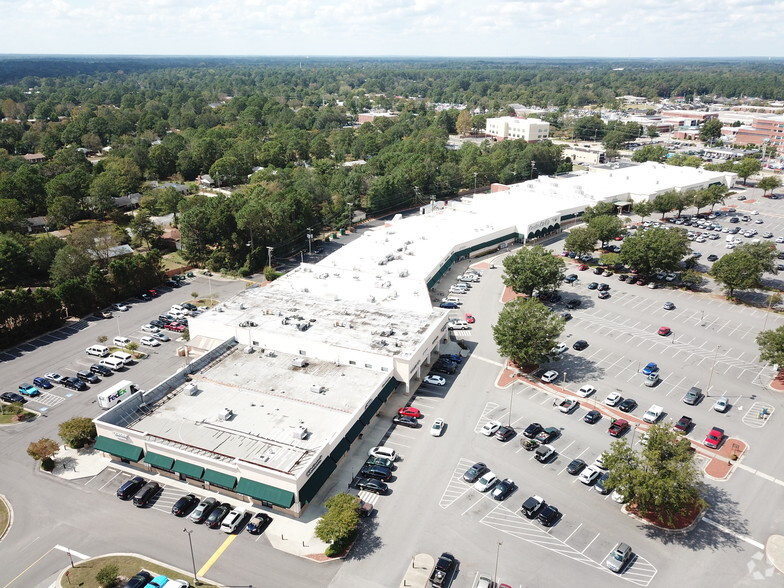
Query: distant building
point(510, 127)
point(585, 155)
point(364, 117)
point(128, 202)
point(206, 181)
point(34, 157)
point(37, 224)
point(762, 130)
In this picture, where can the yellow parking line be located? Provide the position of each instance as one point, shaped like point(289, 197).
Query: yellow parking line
point(205, 568)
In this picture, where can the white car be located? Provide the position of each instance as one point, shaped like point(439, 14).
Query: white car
point(598, 463)
point(617, 497)
point(589, 475)
point(148, 328)
point(149, 341)
point(549, 376)
point(613, 399)
point(119, 306)
point(438, 428)
point(486, 482)
point(54, 377)
point(559, 349)
point(232, 521)
point(382, 451)
point(722, 404)
point(490, 428)
point(779, 239)
point(586, 391)
point(435, 380)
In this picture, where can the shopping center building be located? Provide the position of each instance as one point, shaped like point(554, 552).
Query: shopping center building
point(284, 378)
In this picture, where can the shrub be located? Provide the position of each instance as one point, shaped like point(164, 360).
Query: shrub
point(47, 464)
point(340, 545)
point(107, 575)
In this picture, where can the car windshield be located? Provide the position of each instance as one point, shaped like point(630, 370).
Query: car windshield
point(618, 556)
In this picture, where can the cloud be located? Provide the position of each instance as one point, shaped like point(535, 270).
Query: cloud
point(656, 28)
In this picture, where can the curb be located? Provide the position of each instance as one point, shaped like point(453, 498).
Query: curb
point(10, 510)
point(58, 583)
point(683, 531)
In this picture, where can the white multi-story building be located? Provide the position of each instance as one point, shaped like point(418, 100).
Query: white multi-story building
point(511, 127)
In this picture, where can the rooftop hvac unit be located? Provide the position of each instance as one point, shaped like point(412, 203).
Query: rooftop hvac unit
point(225, 414)
point(299, 432)
point(191, 389)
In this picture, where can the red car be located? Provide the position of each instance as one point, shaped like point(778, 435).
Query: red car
point(410, 411)
point(152, 292)
point(714, 438)
point(618, 427)
point(470, 318)
point(176, 327)
point(582, 267)
point(664, 331)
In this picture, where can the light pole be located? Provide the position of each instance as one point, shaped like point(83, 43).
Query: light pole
point(511, 396)
point(310, 240)
point(533, 168)
point(269, 255)
point(350, 211)
point(710, 377)
point(475, 174)
point(495, 571)
point(193, 559)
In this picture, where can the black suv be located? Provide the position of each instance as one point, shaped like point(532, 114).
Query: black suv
point(104, 371)
point(406, 421)
point(139, 580)
point(376, 472)
point(73, 383)
point(88, 377)
point(131, 487)
point(147, 493)
point(574, 303)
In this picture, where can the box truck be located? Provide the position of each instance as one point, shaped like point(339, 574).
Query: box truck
point(116, 393)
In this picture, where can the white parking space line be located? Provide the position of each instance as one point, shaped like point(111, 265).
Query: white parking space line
point(721, 527)
point(110, 480)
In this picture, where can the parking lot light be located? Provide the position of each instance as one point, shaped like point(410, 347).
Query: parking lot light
point(193, 559)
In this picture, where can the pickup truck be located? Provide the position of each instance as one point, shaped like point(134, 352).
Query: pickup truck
point(567, 405)
point(652, 414)
point(443, 567)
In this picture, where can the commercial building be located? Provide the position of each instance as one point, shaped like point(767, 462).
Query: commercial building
point(511, 127)
point(769, 129)
point(286, 377)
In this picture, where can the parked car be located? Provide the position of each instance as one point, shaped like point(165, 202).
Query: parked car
point(217, 515)
point(184, 505)
point(42, 383)
point(140, 580)
point(650, 368)
point(148, 328)
point(490, 428)
point(258, 523)
point(586, 391)
point(203, 509)
point(532, 430)
point(589, 475)
point(131, 487)
point(410, 411)
point(54, 377)
point(549, 376)
point(683, 425)
point(575, 466)
point(435, 380)
point(73, 383)
point(232, 521)
point(574, 303)
point(88, 377)
point(405, 421)
point(503, 489)
point(580, 344)
point(693, 396)
point(613, 399)
point(504, 433)
point(475, 472)
point(149, 341)
point(376, 472)
point(627, 405)
point(592, 417)
point(120, 306)
point(618, 427)
point(12, 397)
point(548, 516)
point(102, 370)
point(145, 494)
point(437, 429)
point(618, 558)
point(544, 453)
point(372, 485)
point(486, 482)
point(380, 461)
point(161, 337)
point(382, 451)
point(547, 435)
point(28, 389)
point(714, 438)
point(722, 404)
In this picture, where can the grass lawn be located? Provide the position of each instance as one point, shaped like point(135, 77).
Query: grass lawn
point(173, 261)
point(5, 518)
point(7, 419)
point(83, 575)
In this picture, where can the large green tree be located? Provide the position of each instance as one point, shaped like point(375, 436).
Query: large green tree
point(340, 520)
point(743, 268)
point(768, 184)
point(526, 331)
point(657, 249)
point(655, 153)
point(598, 209)
point(643, 208)
point(747, 167)
point(606, 227)
point(581, 240)
point(77, 431)
point(710, 130)
point(662, 481)
point(665, 202)
point(533, 268)
point(771, 346)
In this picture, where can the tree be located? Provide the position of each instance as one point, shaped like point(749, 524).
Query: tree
point(533, 268)
point(581, 240)
point(692, 279)
point(463, 122)
point(657, 249)
point(43, 450)
point(341, 519)
point(526, 331)
point(655, 153)
point(62, 211)
point(598, 209)
point(710, 130)
point(684, 200)
point(643, 208)
point(69, 262)
point(747, 167)
point(144, 230)
point(11, 215)
point(652, 132)
point(771, 346)
point(14, 259)
point(107, 576)
point(768, 184)
point(702, 198)
point(606, 227)
point(742, 269)
point(665, 202)
point(662, 482)
point(77, 431)
point(43, 251)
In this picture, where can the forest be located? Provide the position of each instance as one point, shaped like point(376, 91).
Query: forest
point(278, 132)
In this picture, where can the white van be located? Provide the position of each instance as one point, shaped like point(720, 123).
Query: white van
point(179, 314)
point(121, 341)
point(98, 350)
point(458, 325)
point(126, 358)
point(114, 363)
point(454, 299)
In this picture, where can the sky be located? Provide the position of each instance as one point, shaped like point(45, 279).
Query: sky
point(451, 28)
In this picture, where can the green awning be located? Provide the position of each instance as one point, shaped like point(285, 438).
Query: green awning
point(158, 460)
point(259, 491)
point(316, 481)
point(188, 469)
point(341, 448)
point(219, 479)
point(354, 431)
point(118, 448)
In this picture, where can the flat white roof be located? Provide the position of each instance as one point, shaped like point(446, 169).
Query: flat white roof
point(271, 400)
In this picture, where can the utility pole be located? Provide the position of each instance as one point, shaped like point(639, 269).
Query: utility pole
point(350, 212)
point(269, 255)
point(475, 174)
point(310, 240)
